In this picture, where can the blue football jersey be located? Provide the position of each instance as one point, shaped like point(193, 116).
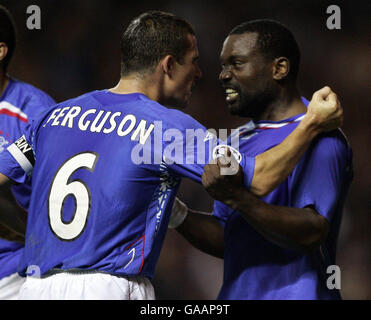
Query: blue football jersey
point(254, 267)
point(20, 104)
point(107, 169)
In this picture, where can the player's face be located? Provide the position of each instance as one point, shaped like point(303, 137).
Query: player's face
point(186, 75)
point(246, 76)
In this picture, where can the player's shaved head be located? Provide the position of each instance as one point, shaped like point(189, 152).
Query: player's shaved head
point(7, 35)
point(149, 38)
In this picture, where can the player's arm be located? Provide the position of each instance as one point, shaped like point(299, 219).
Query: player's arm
point(305, 224)
point(202, 230)
point(301, 229)
point(7, 234)
point(273, 166)
point(11, 214)
point(16, 164)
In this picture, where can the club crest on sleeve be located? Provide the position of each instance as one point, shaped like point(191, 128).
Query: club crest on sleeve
point(220, 150)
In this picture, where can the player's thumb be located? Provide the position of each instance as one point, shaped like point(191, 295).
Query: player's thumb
point(224, 160)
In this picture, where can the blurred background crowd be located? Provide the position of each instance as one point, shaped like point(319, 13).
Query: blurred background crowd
point(77, 50)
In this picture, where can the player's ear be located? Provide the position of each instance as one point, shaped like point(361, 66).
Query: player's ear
point(3, 50)
point(168, 64)
point(281, 68)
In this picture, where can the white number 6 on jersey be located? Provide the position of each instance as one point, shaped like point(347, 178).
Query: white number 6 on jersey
point(61, 188)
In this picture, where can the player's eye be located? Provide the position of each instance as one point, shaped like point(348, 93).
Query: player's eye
point(237, 62)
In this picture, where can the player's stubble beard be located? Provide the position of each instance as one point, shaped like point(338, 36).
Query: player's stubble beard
point(253, 105)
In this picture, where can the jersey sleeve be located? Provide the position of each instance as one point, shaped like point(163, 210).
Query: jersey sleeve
point(187, 150)
point(17, 161)
point(321, 176)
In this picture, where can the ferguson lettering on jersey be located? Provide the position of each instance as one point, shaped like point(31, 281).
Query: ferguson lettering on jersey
point(101, 121)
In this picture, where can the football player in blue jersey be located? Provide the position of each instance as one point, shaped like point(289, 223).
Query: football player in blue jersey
point(19, 104)
point(106, 167)
point(279, 246)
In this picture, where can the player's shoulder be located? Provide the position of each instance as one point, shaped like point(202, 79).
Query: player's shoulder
point(335, 138)
point(181, 120)
point(69, 102)
point(332, 146)
point(173, 118)
point(32, 93)
point(85, 99)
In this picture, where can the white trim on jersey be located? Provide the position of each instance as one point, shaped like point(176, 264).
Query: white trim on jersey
point(246, 131)
point(11, 110)
point(278, 125)
point(21, 158)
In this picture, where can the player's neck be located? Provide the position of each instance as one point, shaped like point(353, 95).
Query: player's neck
point(4, 80)
point(134, 84)
point(286, 105)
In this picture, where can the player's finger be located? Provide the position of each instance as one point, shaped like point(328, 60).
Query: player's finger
point(210, 171)
point(209, 175)
point(322, 93)
point(332, 97)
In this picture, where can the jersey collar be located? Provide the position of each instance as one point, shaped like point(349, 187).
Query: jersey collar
point(253, 127)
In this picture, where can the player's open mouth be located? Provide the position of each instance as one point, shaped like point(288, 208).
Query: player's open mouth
point(231, 95)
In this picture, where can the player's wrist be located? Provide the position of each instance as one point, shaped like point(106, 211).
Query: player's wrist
point(235, 198)
point(178, 214)
point(310, 125)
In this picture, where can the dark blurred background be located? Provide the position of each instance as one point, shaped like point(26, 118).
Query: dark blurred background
point(77, 50)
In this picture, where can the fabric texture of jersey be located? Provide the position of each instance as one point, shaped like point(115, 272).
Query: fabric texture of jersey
point(255, 268)
point(107, 170)
point(20, 104)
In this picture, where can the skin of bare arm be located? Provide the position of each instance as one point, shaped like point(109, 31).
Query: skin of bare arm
point(204, 232)
point(12, 215)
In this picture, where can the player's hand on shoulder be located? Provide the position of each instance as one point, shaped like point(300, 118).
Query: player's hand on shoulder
point(325, 110)
point(222, 177)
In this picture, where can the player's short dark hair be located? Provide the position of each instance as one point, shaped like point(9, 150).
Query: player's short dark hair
point(274, 40)
point(7, 35)
point(150, 37)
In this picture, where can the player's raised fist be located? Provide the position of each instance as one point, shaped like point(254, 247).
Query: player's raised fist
point(325, 110)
